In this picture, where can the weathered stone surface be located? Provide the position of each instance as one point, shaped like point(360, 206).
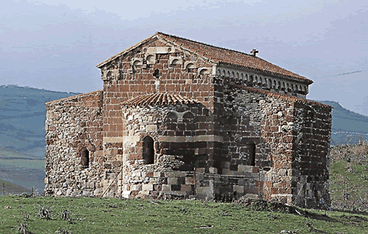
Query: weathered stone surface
point(171, 122)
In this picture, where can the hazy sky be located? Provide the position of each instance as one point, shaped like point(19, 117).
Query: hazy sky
point(56, 44)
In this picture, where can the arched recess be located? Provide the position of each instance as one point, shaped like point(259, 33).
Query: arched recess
point(148, 150)
point(188, 117)
point(171, 117)
point(84, 158)
point(85, 153)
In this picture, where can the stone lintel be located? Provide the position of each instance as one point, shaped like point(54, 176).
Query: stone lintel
point(131, 138)
point(112, 140)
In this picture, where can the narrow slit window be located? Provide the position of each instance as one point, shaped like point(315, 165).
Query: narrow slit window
point(252, 154)
point(85, 158)
point(148, 150)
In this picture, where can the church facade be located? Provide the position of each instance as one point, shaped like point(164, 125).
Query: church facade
point(182, 119)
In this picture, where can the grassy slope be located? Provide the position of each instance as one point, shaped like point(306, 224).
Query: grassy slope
point(349, 177)
point(7, 187)
point(22, 134)
point(22, 118)
point(94, 215)
point(349, 192)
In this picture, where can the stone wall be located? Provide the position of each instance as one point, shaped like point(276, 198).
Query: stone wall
point(72, 125)
point(183, 146)
point(274, 134)
point(154, 66)
point(151, 68)
point(311, 149)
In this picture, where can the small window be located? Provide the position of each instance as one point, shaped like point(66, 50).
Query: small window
point(252, 154)
point(156, 74)
point(148, 150)
point(85, 158)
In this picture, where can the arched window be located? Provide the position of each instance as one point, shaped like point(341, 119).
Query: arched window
point(148, 150)
point(85, 158)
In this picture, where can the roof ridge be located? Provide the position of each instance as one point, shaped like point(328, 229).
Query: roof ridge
point(218, 47)
point(217, 55)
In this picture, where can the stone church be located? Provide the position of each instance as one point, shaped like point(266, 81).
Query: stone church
point(183, 119)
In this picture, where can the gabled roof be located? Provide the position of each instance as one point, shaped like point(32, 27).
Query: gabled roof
point(158, 99)
point(218, 55)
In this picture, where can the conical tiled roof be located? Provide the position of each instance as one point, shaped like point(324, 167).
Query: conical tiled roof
point(158, 99)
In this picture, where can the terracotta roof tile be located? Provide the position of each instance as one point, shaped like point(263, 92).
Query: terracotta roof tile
point(75, 97)
point(232, 57)
point(218, 55)
point(158, 99)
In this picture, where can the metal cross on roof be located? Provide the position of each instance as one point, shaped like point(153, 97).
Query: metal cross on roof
point(254, 52)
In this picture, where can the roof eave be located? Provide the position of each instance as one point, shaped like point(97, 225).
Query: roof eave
point(304, 79)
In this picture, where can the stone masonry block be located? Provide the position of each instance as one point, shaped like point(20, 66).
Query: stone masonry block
point(166, 187)
point(147, 187)
point(245, 168)
point(151, 128)
point(172, 180)
point(213, 170)
point(186, 187)
point(205, 191)
point(238, 189)
point(189, 180)
point(136, 187)
point(228, 172)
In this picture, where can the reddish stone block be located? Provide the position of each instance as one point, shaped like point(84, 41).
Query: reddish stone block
point(274, 191)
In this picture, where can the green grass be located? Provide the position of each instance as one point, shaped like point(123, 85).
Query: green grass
point(95, 215)
point(348, 187)
point(349, 177)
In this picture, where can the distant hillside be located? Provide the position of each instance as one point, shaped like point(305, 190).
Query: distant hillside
point(9, 188)
point(22, 118)
point(347, 126)
point(22, 135)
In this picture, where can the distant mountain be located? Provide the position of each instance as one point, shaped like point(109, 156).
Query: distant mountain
point(22, 118)
point(347, 126)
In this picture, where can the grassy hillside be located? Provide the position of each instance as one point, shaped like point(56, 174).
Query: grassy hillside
point(22, 134)
point(349, 214)
point(22, 118)
point(95, 215)
point(10, 188)
point(349, 177)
